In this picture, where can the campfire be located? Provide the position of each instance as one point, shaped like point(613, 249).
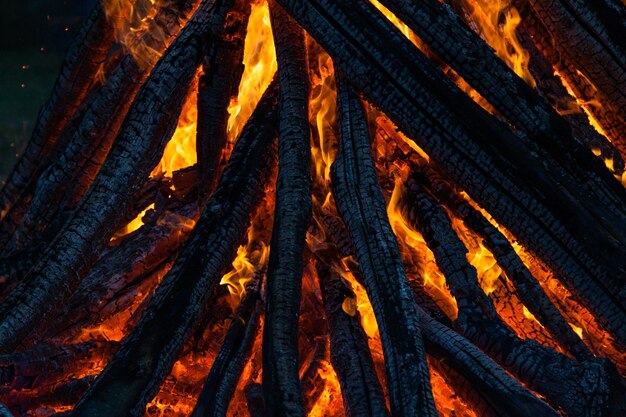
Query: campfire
point(323, 208)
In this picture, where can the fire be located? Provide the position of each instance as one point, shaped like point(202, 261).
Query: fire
point(497, 22)
point(259, 58)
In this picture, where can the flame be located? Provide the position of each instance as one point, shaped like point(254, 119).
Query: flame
point(415, 252)
point(259, 58)
point(497, 22)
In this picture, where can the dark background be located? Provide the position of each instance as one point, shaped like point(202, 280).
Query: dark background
point(34, 35)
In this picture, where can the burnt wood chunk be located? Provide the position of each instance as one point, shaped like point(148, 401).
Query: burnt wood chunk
point(281, 384)
point(361, 205)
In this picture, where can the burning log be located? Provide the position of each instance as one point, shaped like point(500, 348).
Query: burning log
point(65, 181)
point(526, 285)
point(234, 353)
point(350, 356)
point(82, 62)
point(135, 152)
point(537, 366)
point(461, 139)
point(354, 178)
point(222, 67)
point(281, 386)
point(148, 353)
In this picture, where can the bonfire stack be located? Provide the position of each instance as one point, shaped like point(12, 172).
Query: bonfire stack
point(449, 229)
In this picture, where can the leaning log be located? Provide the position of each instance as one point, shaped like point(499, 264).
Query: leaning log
point(147, 128)
point(350, 356)
point(67, 178)
point(146, 356)
point(478, 153)
point(361, 205)
point(234, 353)
point(539, 367)
point(281, 384)
point(84, 58)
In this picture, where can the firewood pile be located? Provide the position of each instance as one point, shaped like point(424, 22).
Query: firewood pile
point(323, 208)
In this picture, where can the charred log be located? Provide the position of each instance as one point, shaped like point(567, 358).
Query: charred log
point(462, 140)
point(147, 355)
point(281, 385)
point(137, 149)
point(362, 208)
point(233, 355)
point(86, 55)
point(350, 356)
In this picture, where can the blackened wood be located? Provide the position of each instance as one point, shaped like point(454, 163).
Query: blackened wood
point(281, 384)
point(146, 356)
point(78, 73)
point(528, 289)
point(234, 353)
point(254, 398)
point(477, 152)
point(65, 181)
point(361, 205)
point(46, 399)
point(148, 126)
point(312, 381)
point(537, 366)
point(222, 70)
point(444, 31)
point(48, 364)
point(586, 43)
point(349, 352)
point(4, 411)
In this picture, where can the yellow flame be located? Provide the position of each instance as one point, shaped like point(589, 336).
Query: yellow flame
point(259, 58)
point(497, 22)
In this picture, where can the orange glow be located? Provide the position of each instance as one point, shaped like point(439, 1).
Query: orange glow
point(497, 22)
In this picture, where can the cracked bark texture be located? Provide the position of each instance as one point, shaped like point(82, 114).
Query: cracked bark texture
point(481, 156)
point(222, 70)
point(64, 182)
point(148, 126)
point(361, 205)
point(78, 72)
point(350, 356)
point(579, 388)
point(234, 353)
point(134, 375)
point(281, 384)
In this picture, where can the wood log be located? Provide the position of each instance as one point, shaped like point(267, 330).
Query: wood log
point(362, 208)
point(67, 178)
point(528, 289)
point(48, 399)
point(234, 353)
point(147, 355)
point(537, 366)
point(461, 138)
point(147, 128)
point(222, 70)
point(281, 384)
point(349, 352)
point(254, 397)
point(46, 365)
point(584, 41)
point(312, 381)
point(483, 383)
point(445, 32)
point(84, 58)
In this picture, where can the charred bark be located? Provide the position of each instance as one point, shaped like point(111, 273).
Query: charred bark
point(67, 178)
point(147, 355)
point(86, 55)
point(233, 355)
point(222, 70)
point(147, 128)
point(349, 352)
point(480, 155)
point(362, 208)
point(539, 367)
point(281, 384)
